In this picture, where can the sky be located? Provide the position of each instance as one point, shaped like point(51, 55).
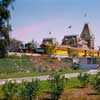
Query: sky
point(34, 19)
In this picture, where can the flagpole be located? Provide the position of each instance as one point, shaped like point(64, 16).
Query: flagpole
point(69, 28)
point(86, 18)
point(50, 34)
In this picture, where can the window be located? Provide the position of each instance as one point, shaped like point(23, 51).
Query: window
point(88, 60)
point(91, 61)
point(94, 61)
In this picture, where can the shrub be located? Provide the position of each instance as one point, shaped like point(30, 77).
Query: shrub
point(75, 66)
point(96, 83)
point(28, 90)
point(21, 93)
point(9, 89)
point(84, 79)
point(32, 89)
point(57, 86)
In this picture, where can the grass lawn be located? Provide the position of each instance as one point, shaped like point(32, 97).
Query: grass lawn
point(31, 74)
point(15, 67)
point(1, 94)
point(70, 84)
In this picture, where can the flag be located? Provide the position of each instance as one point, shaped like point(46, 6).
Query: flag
point(50, 33)
point(69, 26)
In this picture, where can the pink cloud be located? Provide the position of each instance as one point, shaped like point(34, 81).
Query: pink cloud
point(37, 30)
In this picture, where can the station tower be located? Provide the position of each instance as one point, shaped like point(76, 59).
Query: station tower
point(88, 36)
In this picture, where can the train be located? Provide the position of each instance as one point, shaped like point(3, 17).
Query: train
point(63, 50)
point(71, 51)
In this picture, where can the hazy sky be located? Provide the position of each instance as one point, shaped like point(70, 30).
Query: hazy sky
point(34, 19)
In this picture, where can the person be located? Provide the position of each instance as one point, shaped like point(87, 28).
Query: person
point(98, 66)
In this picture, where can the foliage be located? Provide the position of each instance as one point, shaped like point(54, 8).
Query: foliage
point(44, 87)
point(15, 45)
point(96, 83)
point(28, 90)
point(8, 65)
point(84, 79)
point(66, 60)
point(32, 88)
point(31, 46)
point(21, 91)
point(75, 66)
point(57, 84)
point(9, 89)
point(5, 27)
point(19, 57)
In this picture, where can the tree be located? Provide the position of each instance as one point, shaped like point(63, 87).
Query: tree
point(31, 46)
point(28, 47)
point(5, 26)
point(15, 45)
point(57, 86)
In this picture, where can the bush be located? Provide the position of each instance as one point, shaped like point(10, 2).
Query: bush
point(9, 89)
point(84, 79)
point(32, 89)
point(96, 83)
point(28, 90)
point(75, 66)
point(57, 86)
point(22, 91)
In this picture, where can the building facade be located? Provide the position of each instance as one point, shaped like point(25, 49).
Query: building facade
point(88, 36)
point(85, 40)
point(70, 40)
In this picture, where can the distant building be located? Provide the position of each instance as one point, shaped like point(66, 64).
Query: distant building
point(74, 41)
point(86, 39)
point(89, 62)
point(82, 43)
point(88, 36)
point(70, 40)
point(49, 41)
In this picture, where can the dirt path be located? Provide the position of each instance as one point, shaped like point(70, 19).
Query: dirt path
point(80, 94)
